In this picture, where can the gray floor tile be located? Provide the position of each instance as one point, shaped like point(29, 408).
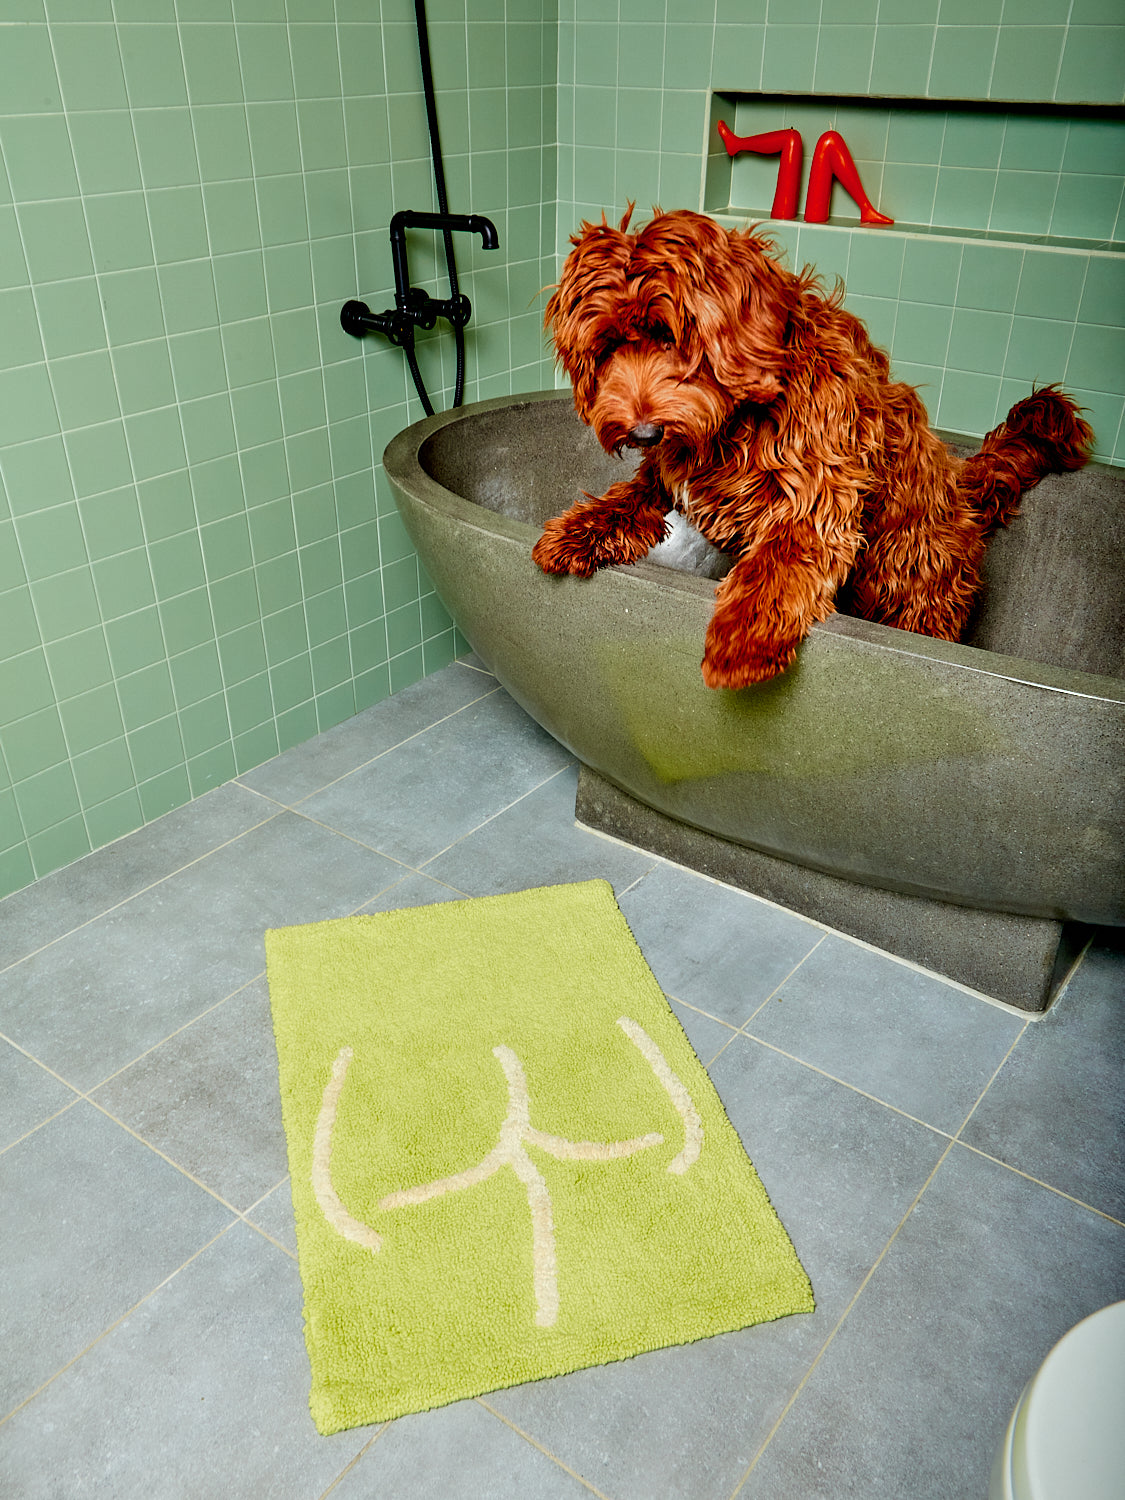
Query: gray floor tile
point(913, 1396)
point(536, 842)
point(904, 1036)
point(840, 1169)
point(28, 1094)
point(686, 1423)
point(309, 767)
point(459, 1450)
point(201, 1394)
point(202, 1390)
point(91, 1221)
point(95, 1000)
point(208, 1099)
point(681, 1424)
point(1056, 1111)
point(273, 1214)
point(423, 796)
point(707, 1036)
point(414, 890)
point(69, 897)
point(719, 949)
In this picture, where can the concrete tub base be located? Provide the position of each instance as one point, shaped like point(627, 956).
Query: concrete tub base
point(1021, 960)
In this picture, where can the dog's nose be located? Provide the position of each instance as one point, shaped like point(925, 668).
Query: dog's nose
point(645, 435)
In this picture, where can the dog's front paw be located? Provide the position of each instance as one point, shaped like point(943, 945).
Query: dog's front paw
point(562, 550)
point(739, 661)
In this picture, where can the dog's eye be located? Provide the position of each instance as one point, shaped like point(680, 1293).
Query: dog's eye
point(661, 335)
point(605, 349)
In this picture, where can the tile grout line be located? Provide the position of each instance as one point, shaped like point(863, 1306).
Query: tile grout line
point(125, 900)
point(117, 1322)
point(838, 932)
point(822, 1351)
point(500, 811)
point(480, 1401)
point(741, 1030)
point(843, 1083)
point(240, 1217)
point(1038, 1182)
point(953, 1141)
point(348, 1467)
point(226, 843)
point(362, 765)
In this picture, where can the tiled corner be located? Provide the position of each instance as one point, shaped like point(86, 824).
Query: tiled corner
point(938, 1047)
point(92, 1002)
point(182, 199)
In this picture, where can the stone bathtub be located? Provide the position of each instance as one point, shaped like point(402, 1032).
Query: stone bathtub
point(958, 805)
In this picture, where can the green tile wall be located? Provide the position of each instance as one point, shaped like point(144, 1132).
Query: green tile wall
point(200, 563)
point(199, 560)
point(972, 320)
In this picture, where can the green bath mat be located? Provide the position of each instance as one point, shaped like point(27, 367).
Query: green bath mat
point(507, 1161)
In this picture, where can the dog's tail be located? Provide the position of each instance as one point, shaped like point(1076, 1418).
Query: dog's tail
point(1043, 434)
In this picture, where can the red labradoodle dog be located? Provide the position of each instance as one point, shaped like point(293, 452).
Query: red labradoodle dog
point(767, 417)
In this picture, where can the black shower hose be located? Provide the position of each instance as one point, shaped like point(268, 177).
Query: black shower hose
point(443, 208)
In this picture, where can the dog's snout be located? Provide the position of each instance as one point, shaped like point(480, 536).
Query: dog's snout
point(645, 435)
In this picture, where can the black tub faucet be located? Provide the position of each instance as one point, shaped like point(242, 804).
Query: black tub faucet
point(415, 308)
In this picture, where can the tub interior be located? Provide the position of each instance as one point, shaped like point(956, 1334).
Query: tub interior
point(1054, 581)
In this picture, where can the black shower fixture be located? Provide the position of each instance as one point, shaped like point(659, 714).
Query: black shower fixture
point(415, 308)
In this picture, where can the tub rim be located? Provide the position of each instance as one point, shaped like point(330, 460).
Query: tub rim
point(402, 461)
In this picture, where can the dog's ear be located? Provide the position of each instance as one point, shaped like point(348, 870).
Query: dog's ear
point(741, 311)
point(584, 304)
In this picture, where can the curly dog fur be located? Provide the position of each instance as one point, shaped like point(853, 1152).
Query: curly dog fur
point(768, 418)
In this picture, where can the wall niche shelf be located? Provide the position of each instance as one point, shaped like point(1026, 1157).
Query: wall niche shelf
point(1047, 175)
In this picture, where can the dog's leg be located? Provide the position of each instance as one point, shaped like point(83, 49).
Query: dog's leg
point(617, 527)
point(768, 603)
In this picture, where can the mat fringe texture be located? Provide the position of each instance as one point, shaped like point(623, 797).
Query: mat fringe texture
point(507, 1162)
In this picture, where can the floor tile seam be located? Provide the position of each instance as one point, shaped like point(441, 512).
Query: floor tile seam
point(363, 765)
point(904, 1114)
point(858, 1293)
point(499, 813)
point(942, 979)
point(171, 1161)
point(257, 1203)
point(253, 1223)
point(39, 1063)
point(539, 1447)
point(999, 1068)
point(625, 889)
point(472, 667)
point(350, 1465)
point(142, 891)
point(269, 1238)
point(39, 1125)
point(117, 1322)
point(156, 1046)
point(952, 1141)
point(1039, 1182)
point(352, 838)
point(708, 1016)
point(779, 987)
point(828, 931)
